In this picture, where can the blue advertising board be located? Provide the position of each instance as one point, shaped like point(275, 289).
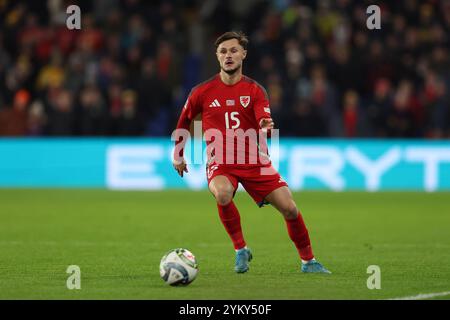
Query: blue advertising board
point(305, 164)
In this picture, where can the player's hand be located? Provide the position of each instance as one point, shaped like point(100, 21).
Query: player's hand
point(266, 124)
point(180, 167)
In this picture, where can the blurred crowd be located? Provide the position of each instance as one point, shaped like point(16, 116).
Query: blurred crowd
point(129, 69)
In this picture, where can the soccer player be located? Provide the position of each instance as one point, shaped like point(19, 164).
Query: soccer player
point(229, 102)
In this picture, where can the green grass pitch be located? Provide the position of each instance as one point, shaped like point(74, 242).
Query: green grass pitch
point(118, 238)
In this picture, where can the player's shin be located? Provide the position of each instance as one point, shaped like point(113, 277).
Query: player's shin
point(231, 220)
point(299, 235)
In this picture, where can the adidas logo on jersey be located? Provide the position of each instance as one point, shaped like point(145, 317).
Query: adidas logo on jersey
point(215, 103)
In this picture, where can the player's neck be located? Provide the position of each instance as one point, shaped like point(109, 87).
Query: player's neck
point(231, 79)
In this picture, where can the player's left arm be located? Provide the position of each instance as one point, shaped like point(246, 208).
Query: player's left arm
point(261, 109)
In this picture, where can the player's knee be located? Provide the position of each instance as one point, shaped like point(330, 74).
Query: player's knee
point(224, 196)
point(290, 211)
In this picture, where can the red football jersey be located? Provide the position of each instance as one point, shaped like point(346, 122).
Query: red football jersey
point(234, 112)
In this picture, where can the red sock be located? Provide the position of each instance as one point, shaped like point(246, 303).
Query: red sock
point(299, 235)
point(229, 215)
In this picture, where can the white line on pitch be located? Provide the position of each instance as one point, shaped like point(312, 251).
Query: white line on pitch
point(424, 296)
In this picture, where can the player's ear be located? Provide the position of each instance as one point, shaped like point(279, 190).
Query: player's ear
point(244, 54)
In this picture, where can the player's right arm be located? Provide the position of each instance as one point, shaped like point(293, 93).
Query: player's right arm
point(190, 110)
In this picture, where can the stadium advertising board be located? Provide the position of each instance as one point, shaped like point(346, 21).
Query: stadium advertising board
point(145, 164)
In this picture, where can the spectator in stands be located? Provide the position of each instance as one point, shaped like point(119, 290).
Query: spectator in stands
point(93, 120)
point(14, 120)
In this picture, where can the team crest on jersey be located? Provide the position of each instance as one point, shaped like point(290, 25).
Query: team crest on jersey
point(245, 101)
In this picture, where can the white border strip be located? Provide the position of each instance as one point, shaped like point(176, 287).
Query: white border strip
point(424, 296)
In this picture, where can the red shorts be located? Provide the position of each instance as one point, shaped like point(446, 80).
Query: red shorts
point(258, 181)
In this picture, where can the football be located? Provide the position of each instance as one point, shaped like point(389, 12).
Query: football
point(178, 267)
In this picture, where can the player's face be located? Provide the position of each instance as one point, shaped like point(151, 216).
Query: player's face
point(230, 55)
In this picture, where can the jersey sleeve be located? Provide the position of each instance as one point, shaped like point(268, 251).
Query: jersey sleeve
point(261, 104)
point(190, 110)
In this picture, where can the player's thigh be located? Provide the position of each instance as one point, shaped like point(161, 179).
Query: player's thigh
point(223, 188)
point(281, 198)
point(259, 182)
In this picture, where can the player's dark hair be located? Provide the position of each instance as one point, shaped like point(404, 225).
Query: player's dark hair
point(238, 35)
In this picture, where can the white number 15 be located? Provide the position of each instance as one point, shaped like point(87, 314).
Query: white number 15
point(232, 117)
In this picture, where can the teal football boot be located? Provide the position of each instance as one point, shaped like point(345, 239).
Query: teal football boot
point(243, 257)
point(313, 266)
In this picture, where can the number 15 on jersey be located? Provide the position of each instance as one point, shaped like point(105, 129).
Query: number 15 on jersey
point(231, 118)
